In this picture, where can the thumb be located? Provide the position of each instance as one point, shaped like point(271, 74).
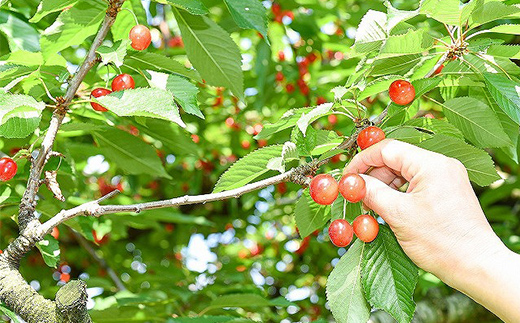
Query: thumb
point(382, 199)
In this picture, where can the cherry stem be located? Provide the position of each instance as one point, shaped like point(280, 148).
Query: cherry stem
point(133, 14)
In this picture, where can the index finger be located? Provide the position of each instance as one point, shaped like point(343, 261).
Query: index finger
point(402, 157)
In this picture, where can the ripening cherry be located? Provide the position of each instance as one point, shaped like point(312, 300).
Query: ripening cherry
point(140, 37)
point(8, 169)
point(429, 116)
point(290, 88)
point(99, 92)
point(340, 233)
point(366, 227)
point(370, 136)
point(401, 92)
point(352, 187)
point(245, 144)
point(324, 189)
point(279, 76)
point(333, 119)
point(321, 100)
point(123, 82)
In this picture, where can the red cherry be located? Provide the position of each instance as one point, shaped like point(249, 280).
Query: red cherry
point(276, 9)
point(333, 119)
point(261, 143)
point(99, 92)
point(370, 136)
point(281, 188)
point(290, 88)
point(281, 56)
point(401, 92)
point(195, 138)
point(55, 233)
point(8, 169)
point(289, 14)
point(65, 277)
point(141, 37)
point(123, 82)
point(352, 187)
point(279, 76)
point(324, 189)
point(321, 100)
point(245, 144)
point(340, 233)
point(439, 69)
point(303, 246)
point(169, 227)
point(312, 57)
point(366, 228)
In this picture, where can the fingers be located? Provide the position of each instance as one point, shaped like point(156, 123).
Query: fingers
point(388, 176)
point(403, 158)
point(382, 199)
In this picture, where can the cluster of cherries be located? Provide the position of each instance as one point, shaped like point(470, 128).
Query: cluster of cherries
point(140, 38)
point(324, 189)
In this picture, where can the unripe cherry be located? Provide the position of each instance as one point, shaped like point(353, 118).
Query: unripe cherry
point(324, 189)
point(352, 187)
point(401, 92)
point(340, 233)
point(8, 168)
point(140, 37)
point(99, 92)
point(370, 136)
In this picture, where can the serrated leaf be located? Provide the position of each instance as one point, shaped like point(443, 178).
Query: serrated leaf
point(413, 42)
point(170, 135)
point(436, 126)
point(309, 215)
point(378, 85)
point(288, 120)
point(50, 250)
point(490, 11)
point(19, 115)
point(144, 102)
point(506, 94)
point(129, 153)
point(507, 51)
point(307, 118)
point(289, 152)
point(408, 134)
point(344, 290)
point(73, 26)
point(19, 34)
point(49, 6)
point(388, 276)
point(395, 65)
point(371, 32)
point(478, 163)
point(477, 122)
point(342, 209)
point(247, 168)
point(396, 16)
point(249, 14)
point(160, 63)
point(212, 52)
point(450, 12)
point(115, 53)
point(195, 7)
point(325, 141)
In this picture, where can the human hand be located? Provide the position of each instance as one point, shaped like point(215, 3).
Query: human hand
point(438, 221)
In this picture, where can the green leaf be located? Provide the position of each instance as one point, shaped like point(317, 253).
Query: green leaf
point(378, 85)
point(129, 153)
point(195, 7)
point(170, 135)
point(388, 276)
point(159, 63)
point(19, 115)
point(115, 53)
point(477, 121)
point(307, 118)
point(247, 168)
point(396, 16)
point(204, 319)
point(413, 42)
point(408, 134)
point(477, 162)
point(309, 215)
point(49, 6)
point(125, 20)
point(50, 250)
point(289, 153)
point(371, 32)
point(344, 290)
point(450, 12)
point(183, 91)
point(505, 93)
point(73, 26)
point(19, 34)
point(325, 141)
point(490, 11)
point(395, 65)
point(511, 29)
point(507, 51)
point(436, 126)
point(249, 14)
point(144, 102)
point(240, 300)
point(341, 208)
point(288, 120)
point(212, 51)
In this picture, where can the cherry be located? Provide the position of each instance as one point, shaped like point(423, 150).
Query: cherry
point(366, 228)
point(352, 187)
point(281, 188)
point(370, 136)
point(8, 169)
point(55, 233)
point(65, 277)
point(176, 42)
point(333, 119)
point(245, 144)
point(100, 240)
point(290, 88)
point(281, 56)
point(99, 92)
point(141, 37)
point(276, 9)
point(303, 246)
point(123, 82)
point(279, 76)
point(340, 233)
point(324, 189)
point(321, 100)
point(401, 92)
point(439, 69)
point(429, 116)
point(261, 143)
point(195, 138)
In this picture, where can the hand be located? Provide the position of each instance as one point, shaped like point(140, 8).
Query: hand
point(438, 221)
